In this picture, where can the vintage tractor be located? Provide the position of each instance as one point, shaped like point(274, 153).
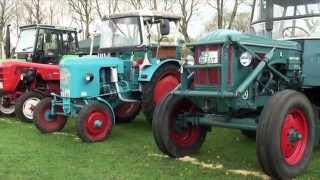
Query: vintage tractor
point(252, 83)
point(33, 72)
point(137, 65)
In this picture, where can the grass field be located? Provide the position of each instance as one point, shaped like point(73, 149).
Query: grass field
point(129, 153)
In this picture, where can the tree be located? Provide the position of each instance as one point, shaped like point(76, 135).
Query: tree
point(225, 18)
point(241, 22)
point(111, 5)
point(83, 12)
point(188, 9)
point(35, 11)
point(6, 7)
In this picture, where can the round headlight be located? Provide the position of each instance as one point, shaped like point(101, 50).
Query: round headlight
point(246, 59)
point(190, 60)
point(88, 77)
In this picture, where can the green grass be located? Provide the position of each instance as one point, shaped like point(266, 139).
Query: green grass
point(129, 153)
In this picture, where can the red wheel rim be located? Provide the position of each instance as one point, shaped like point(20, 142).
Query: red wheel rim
point(294, 136)
point(98, 125)
point(51, 122)
point(188, 134)
point(166, 84)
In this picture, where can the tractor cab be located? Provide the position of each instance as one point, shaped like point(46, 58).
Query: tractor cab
point(141, 31)
point(297, 21)
point(283, 19)
point(45, 44)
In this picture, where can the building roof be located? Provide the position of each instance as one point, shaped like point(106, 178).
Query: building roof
point(145, 13)
point(63, 28)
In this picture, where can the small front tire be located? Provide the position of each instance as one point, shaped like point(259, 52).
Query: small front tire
point(173, 136)
point(46, 122)
point(95, 122)
point(286, 135)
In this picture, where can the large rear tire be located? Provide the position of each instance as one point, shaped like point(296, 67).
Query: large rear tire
point(95, 122)
point(164, 81)
point(126, 112)
point(286, 135)
point(175, 137)
point(26, 104)
point(44, 121)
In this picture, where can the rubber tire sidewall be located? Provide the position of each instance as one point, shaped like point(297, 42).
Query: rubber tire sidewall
point(83, 116)
point(161, 130)
point(148, 104)
point(19, 105)
point(37, 113)
point(269, 133)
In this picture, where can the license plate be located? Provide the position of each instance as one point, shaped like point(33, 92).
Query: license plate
point(1, 85)
point(209, 57)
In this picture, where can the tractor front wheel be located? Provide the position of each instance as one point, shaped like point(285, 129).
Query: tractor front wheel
point(26, 104)
point(285, 135)
point(172, 134)
point(95, 122)
point(126, 112)
point(164, 80)
point(45, 121)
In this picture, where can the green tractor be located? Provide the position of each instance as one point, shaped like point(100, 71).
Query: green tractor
point(137, 65)
point(266, 85)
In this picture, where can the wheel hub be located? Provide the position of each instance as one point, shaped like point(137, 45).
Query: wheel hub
point(97, 123)
point(294, 136)
point(28, 107)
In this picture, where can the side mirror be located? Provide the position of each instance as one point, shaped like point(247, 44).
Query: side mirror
point(7, 42)
point(165, 27)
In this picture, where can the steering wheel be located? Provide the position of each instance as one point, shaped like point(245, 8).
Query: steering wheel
point(290, 30)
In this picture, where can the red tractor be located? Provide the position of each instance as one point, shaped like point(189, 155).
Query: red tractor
point(33, 72)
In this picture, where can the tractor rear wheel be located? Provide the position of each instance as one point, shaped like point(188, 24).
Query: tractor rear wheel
point(285, 135)
point(6, 107)
point(95, 122)
point(173, 136)
point(26, 104)
point(126, 112)
point(164, 80)
point(45, 121)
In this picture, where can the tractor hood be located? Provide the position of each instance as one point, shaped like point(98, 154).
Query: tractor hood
point(222, 36)
point(73, 73)
point(92, 63)
point(11, 70)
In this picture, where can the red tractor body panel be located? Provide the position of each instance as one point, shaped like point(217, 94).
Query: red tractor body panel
point(11, 70)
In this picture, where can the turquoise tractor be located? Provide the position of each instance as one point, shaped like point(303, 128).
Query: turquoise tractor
point(265, 84)
point(138, 64)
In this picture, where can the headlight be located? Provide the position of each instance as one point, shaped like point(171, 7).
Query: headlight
point(246, 59)
point(65, 76)
point(190, 60)
point(209, 57)
point(88, 77)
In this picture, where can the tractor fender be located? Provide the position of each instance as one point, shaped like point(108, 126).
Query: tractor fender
point(106, 103)
point(148, 72)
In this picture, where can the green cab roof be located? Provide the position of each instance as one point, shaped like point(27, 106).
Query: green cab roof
point(222, 36)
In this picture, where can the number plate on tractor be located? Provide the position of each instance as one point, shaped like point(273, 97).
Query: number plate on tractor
point(209, 57)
